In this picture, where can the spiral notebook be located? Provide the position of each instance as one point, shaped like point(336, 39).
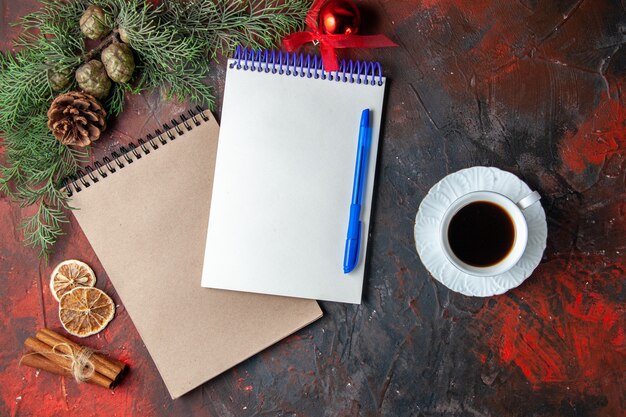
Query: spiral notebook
point(284, 175)
point(145, 211)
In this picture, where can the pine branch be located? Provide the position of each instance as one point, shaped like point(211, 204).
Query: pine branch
point(172, 44)
point(42, 229)
point(24, 89)
point(222, 25)
point(37, 164)
point(167, 59)
point(115, 102)
point(189, 84)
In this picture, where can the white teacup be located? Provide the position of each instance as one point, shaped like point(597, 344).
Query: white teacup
point(514, 211)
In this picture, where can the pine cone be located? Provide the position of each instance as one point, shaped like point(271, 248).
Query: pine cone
point(93, 22)
point(92, 78)
point(119, 62)
point(76, 118)
point(123, 35)
point(60, 79)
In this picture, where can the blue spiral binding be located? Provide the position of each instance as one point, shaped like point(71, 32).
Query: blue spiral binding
point(309, 66)
point(126, 155)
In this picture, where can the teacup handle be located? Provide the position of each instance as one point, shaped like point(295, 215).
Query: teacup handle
point(529, 200)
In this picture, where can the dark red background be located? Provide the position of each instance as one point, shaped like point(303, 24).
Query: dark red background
point(531, 87)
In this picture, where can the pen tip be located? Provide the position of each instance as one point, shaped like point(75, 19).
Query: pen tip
point(365, 118)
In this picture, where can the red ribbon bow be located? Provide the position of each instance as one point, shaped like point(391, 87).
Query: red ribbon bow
point(328, 43)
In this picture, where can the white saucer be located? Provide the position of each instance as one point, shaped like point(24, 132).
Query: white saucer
point(429, 217)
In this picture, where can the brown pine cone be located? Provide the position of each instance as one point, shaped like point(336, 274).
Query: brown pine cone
point(76, 119)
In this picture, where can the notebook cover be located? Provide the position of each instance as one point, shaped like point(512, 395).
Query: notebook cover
point(284, 175)
point(147, 223)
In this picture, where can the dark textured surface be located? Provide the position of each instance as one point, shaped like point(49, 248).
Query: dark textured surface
point(531, 87)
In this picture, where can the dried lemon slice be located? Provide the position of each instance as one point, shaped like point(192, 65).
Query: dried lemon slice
point(70, 274)
point(84, 311)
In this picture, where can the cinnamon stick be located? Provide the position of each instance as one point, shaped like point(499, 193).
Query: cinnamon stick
point(111, 368)
point(35, 360)
point(40, 361)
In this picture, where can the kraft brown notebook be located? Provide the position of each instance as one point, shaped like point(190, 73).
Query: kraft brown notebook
point(145, 212)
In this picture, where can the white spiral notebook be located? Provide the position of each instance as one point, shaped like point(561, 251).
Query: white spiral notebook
point(284, 173)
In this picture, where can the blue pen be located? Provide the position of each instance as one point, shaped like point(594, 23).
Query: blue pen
point(353, 240)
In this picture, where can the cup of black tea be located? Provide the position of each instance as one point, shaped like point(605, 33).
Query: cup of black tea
point(484, 233)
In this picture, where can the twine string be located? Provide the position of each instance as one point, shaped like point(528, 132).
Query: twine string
point(81, 366)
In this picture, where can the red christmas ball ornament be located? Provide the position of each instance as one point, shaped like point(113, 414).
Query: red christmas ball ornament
point(339, 17)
